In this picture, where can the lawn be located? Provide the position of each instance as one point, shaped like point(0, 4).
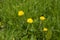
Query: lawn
point(29, 19)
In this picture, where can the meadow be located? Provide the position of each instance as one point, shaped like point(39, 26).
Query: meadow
point(29, 19)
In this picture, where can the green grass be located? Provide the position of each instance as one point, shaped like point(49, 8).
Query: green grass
point(15, 27)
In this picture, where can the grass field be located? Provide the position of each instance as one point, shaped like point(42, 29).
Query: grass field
point(16, 27)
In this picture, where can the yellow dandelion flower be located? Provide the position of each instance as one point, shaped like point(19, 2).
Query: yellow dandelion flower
point(42, 18)
point(20, 13)
point(45, 29)
point(30, 20)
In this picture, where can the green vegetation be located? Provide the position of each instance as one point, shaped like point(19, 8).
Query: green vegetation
point(14, 27)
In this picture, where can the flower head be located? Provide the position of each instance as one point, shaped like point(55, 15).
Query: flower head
point(42, 18)
point(45, 29)
point(30, 20)
point(20, 13)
